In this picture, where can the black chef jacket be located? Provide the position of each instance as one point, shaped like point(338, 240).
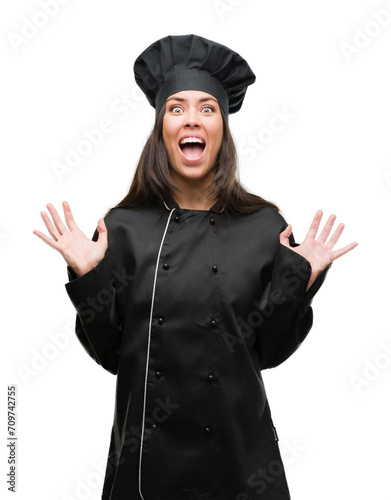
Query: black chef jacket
point(187, 318)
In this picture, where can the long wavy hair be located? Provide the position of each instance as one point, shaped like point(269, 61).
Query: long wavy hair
point(152, 180)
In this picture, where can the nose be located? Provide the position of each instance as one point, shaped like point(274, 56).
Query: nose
point(192, 118)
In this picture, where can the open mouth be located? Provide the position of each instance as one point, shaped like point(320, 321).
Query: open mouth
point(192, 148)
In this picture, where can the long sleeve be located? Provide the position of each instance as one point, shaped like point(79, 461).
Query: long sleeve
point(286, 306)
point(94, 296)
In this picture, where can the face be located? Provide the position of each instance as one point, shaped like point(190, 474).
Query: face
point(192, 134)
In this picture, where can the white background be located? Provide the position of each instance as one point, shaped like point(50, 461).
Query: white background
point(331, 400)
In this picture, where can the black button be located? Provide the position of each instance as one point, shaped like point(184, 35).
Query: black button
point(214, 269)
point(177, 218)
point(158, 374)
point(207, 429)
point(166, 266)
point(210, 377)
point(213, 322)
point(154, 427)
point(160, 321)
point(211, 220)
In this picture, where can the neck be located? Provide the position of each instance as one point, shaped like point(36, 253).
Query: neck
point(194, 195)
point(193, 201)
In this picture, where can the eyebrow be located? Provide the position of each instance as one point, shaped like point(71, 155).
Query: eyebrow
point(182, 99)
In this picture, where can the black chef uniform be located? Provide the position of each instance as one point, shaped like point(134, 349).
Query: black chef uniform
point(186, 316)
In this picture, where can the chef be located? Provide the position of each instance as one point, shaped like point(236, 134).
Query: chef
point(188, 289)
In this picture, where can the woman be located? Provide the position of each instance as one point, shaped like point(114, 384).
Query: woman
point(189, 288)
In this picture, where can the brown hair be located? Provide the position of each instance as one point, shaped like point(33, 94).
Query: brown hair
point(152, 180)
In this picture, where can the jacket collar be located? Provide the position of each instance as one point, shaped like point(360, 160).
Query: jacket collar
point(170, 204)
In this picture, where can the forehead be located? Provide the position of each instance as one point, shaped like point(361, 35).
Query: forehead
point(191, 95)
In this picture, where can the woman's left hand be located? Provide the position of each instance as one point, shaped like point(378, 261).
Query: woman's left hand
point(318, 253)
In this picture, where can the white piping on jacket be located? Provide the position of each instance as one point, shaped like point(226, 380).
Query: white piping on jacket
point(148, 349)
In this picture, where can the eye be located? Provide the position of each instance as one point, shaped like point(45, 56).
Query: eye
point(208, 109)
point(176, 109)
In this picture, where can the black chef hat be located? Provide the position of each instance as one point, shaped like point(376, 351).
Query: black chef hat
point(191, 62)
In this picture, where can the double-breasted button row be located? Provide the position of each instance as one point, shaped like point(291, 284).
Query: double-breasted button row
point(167, 266)
point(211, 377)
point(212, 220)
point(207, 428)
point(213, 322)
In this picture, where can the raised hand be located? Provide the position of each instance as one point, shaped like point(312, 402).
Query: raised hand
point(318, 253)
point(80, 252)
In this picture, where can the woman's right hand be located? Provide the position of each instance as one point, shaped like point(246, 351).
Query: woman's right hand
point(81, 253)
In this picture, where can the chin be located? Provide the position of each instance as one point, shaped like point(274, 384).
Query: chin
point(194, 173)
point(190, 171)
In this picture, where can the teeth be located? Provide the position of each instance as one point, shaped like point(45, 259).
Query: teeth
point(191, 139)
